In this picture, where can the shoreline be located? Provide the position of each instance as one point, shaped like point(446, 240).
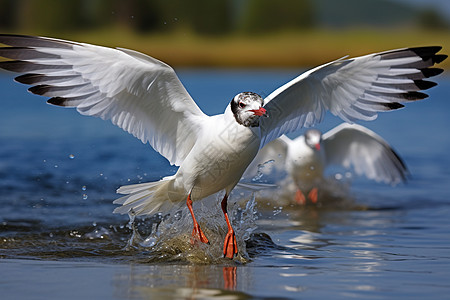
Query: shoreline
point(283, 50)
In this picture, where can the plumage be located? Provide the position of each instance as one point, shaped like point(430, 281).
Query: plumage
point(391, 77)
point(305, 158)
point(144, 97)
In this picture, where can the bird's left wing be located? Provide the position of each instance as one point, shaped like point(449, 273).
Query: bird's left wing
point(356, 147)
point(353, 89)
point(136, 92)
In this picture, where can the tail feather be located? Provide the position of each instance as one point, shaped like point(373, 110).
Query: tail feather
point(134, 197)
point(147, 198)
point(132, 188)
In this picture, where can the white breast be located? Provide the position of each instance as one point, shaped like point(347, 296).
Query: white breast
point(219, 158)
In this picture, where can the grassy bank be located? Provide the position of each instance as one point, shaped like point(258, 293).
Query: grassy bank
point(287, 49)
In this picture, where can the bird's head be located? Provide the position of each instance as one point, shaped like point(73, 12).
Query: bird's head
point(247, 108)
point(313, 138)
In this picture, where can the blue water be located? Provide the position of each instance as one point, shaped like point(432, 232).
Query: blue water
point(59, 239)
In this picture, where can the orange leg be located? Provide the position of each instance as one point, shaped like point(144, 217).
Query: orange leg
point(299, 197)
point(230, 244)
point(313, 195)
point(196, 232)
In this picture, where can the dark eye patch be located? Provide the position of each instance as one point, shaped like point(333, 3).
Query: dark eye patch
point(242, 105)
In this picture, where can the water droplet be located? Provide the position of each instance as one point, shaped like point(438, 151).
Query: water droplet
point(71, 156)
point(85, 196)
point(277, 211)
point(261, 167)
point(56, 166)
point(178, 215)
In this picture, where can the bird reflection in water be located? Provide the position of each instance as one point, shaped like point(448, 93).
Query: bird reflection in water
point(229, 278)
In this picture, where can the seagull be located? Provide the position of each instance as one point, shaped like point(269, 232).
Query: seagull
point(305, 158)
point(144, 97)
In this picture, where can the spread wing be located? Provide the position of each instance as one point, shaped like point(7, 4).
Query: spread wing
point(353, 89)
point(136, 92)
point(358, 148)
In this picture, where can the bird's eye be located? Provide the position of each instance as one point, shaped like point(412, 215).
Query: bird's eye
point(242, 105)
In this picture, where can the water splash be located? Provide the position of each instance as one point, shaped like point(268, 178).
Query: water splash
point(135, 236)
point(168, 237)
point(259, 172)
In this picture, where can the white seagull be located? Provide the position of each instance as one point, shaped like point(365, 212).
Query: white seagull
point(144, 96)
point(306, 157)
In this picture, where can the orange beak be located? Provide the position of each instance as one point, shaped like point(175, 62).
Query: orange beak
point(317, 146)
point(259, 112)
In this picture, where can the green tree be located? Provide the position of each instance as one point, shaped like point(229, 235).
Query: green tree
point(262, 16)
point(431, 19)
point(211, 16)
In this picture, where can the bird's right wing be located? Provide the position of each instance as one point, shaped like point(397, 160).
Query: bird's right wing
point(136, 92)
point(352, 89)
point(358, 148)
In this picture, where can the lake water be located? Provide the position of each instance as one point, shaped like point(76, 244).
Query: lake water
point(59, 239)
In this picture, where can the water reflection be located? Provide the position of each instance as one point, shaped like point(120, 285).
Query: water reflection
point(229, 278)
point(183, 282)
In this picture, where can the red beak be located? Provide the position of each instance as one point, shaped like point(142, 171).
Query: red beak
point(259, 112)
point(317, 146)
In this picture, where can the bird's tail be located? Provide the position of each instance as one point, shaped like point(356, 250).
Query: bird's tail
point(148, 198)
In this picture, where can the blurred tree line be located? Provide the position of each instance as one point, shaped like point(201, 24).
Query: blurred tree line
point(201, 16)
point(205, 17)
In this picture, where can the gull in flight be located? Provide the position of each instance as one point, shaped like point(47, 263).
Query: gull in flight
point(306, 157)
point(144, 96)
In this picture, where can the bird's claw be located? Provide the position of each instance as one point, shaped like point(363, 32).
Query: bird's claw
point(230, 245)
point(198, 233)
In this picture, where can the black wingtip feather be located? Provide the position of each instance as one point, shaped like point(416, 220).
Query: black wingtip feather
point(8, 52)
point(59, 101)
point(426, 52)
point(393, 105)
point(12, 65)
point(412, 96)
point(40, 89)
point(17, 40)
point(430, 72)
point(438, 58)
point(29, 78)
point(424, 84)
